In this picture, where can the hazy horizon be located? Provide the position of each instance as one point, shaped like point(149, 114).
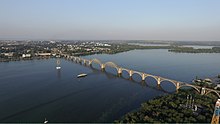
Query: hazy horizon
point(172, 20)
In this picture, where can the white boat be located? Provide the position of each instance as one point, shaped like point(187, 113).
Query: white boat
point(58, 67)
point(81, 75)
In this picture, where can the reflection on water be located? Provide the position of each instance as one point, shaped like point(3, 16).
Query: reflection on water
point(58, 73)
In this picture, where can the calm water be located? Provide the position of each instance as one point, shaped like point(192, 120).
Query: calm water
point(31, 91)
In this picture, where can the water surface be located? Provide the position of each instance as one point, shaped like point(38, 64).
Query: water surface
point(31, 91)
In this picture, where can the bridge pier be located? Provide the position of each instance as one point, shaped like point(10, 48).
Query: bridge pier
point(130, 73)
point(84, 61)
point(102, 67)
point(90, 63)
point(158, 82)
point(143, 77)
point(177, 86)
point(203, 91)
point(119, 72)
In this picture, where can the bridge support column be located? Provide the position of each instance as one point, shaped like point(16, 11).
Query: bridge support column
point(143, 77)
point(102, 67)
point(84, 61)
point(119, 72)
point(90, 63)
point(130, 73)
point(203, 91)
point(158, 82)
point(177, 86)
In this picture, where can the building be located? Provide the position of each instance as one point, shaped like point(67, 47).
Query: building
point(43, 54)
point(26, 55)
point(217, 86)
point(208, 80)
point(8, 54)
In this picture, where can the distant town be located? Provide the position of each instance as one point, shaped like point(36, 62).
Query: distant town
point(17, 50)
point(22, 50)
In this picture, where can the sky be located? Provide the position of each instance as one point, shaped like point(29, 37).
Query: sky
point(196, 20)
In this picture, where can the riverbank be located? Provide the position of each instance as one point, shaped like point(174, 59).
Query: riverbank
point(192, 50)
point(123, 47)
point(174, 108)
point(23, 59)
point(119, 48)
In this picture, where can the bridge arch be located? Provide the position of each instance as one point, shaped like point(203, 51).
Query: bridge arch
point(83, 61)
point(125, 73)
point(139, 75)
point(126, 70)
point(136, 72)
point(151, 80)
point(195, 88)
point(111, 67)
point(95, 61)
point(111, 64)
point(151, 76)
point(76, 59)
point(168, 85)
point(163, 80)
point(86, 62)
point(212, 91)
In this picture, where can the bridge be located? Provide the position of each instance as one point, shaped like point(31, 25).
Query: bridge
point(143, 75)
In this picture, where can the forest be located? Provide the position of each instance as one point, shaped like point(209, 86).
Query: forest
point(174, 108)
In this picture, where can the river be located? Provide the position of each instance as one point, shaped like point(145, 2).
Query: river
point(31, 91)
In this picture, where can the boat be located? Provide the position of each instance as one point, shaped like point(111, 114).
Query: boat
point(58, 67)
point(81, 75)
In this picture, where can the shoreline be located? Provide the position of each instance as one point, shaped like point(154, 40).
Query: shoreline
point(23, 59)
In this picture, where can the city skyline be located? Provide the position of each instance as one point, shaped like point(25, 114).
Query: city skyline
point(110, 20)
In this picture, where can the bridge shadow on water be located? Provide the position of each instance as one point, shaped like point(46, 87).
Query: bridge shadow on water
point(110, 75)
